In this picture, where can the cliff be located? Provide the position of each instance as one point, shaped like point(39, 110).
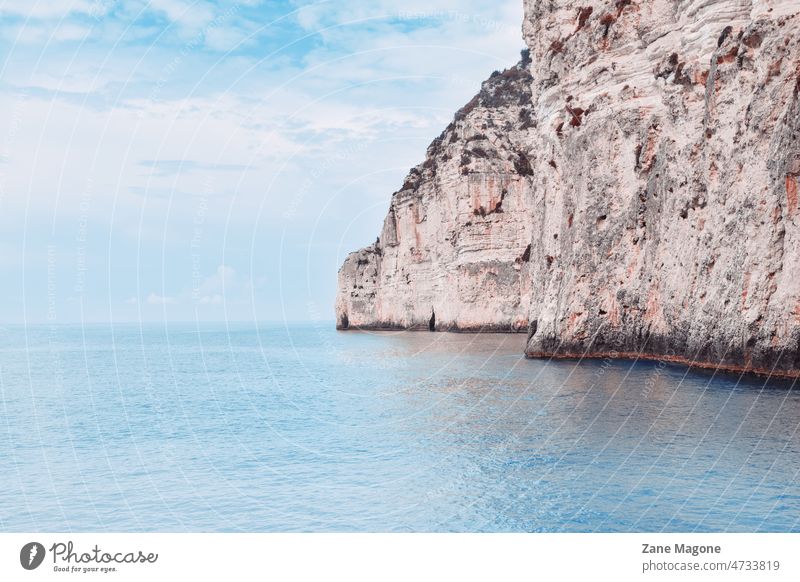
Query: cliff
point(453, 251)
point(646, 160)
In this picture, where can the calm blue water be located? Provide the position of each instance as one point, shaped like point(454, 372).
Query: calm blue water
point(240, 428)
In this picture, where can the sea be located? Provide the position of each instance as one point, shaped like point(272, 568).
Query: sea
point(295, 427)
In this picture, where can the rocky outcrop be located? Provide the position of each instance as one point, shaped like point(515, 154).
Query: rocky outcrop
point(453, 252)
point(656, 211)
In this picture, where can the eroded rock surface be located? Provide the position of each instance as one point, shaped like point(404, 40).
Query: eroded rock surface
point(647, 160)
point(453, 251)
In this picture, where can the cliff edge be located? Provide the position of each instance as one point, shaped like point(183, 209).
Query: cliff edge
point(629, 189)
point(453, 252)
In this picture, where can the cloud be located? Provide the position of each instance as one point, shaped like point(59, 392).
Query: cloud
point(33, 32)
point(155, 299)
point(228, 38)
point(413, 14)
point(210, 300)
point(144, 132)
point(172, 167)
point(189, 15)
point(50, 9)
point(224, 286)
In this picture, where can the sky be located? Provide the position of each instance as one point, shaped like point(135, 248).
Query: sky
point(189, 160)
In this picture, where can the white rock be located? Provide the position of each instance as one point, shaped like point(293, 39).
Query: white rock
point(658, 191)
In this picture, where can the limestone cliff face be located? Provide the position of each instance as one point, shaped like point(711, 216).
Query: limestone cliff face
point(452, 254)
point(668, 220)
point(658, 193)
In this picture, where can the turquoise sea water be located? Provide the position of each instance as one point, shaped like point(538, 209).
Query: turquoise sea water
point(302, 428)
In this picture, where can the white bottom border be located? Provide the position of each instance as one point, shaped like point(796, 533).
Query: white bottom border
point(439, 557)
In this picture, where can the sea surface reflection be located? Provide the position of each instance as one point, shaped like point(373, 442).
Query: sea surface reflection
point(302, 428)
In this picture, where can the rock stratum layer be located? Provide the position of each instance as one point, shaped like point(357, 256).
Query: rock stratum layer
point(630, 188)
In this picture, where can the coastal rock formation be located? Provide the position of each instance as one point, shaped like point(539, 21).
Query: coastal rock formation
point(453, 252)
point(658, 193)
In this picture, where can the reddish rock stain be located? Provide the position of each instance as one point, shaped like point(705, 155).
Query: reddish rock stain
point(791, 194)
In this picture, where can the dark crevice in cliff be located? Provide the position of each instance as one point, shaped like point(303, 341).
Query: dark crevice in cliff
point(532, 328)
point(583, 16)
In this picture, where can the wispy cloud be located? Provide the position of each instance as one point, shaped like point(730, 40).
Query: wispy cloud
point(50, 9)
point(259, 129)
point(225, 285)
point(190, 15)
point(155, 299)
point(172, 167)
